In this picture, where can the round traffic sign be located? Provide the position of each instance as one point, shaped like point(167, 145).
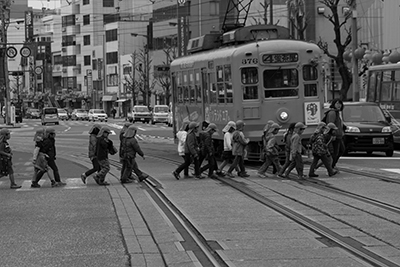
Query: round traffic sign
point(12, 52)
point(38, 70)
point(25, 51)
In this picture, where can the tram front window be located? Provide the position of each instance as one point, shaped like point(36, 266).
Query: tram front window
point(281, 83)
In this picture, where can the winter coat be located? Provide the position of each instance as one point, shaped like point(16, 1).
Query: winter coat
point(130, 146)
point(239, 143)
point(191, 145)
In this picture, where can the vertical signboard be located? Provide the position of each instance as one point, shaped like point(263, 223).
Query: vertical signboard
point(28, 26)
point(89, 82)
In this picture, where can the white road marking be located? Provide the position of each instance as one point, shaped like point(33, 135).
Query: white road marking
point(392, 170)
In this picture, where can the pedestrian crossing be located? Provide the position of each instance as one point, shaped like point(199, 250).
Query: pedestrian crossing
point(71, 183)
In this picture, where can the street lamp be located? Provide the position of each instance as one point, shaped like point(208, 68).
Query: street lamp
point(147, 81)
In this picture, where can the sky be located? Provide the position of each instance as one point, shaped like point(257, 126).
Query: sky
point(44, 3)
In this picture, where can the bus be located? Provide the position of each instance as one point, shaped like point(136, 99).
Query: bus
point(255, 81)
point(383, 87)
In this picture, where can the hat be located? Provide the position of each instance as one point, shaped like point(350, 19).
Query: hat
point(106, 129)
point(268, 125)
point(240, 124)
point(331, 125)
point(231, 124)
point(320, 126)
point(300, 125)
point(4, 131)
point(50, 130)
point(212, 126)
point(193, 125)
point(275, 126)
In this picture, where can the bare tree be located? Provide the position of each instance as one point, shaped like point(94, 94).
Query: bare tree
point(138, 78)
point(339, 27)
point(163, 76)
point(298, 18)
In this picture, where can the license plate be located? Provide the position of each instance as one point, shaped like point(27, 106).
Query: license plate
point(378, 141)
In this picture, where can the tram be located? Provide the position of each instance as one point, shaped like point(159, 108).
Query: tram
point(257, 74)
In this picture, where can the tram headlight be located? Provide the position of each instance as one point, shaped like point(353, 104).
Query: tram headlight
point(352, 129)
point(386, 129)
point(283, 116)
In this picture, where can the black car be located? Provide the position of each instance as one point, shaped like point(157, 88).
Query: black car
point(367, 128)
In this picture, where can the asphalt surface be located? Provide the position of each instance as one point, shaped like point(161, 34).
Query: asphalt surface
point(75, 225)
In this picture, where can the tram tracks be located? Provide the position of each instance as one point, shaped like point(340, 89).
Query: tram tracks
point(345, 242)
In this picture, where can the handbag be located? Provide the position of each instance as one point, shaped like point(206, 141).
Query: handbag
point(113, 150)
point(4, 165)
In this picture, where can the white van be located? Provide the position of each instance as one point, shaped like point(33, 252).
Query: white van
point(50, 115)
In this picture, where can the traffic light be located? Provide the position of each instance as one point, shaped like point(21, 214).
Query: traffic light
point(16, 73)
point(150, 35)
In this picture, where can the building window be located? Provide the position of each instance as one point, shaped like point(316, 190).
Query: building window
point(127, 69)
point(86, 40)
point(68, 40)
point(58, 60)
point(86, 60)
point(112, 58)
point(86, 2)
point(214, 8)
point(111, 35)
point(68, 20)
point(110, 18)
point(86, 19)
point(108, 3)
point(112, 80)
point(69, 60)
point(69, 83)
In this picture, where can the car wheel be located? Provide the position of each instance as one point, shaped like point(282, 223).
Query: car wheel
point(152, 122)
point(57, 123)
point(389, 153)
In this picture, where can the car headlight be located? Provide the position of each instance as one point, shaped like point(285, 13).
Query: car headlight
point(283, 116)
point(352, 129)
point(386, 129)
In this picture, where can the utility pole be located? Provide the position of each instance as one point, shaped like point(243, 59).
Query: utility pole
point(356, 90)
point(5, 21)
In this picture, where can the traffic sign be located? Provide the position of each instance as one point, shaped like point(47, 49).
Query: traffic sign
point(38, 70)
point(12, 52)
point(25, 51)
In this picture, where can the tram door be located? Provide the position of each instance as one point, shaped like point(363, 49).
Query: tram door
point(174, 101)
point(204, 91)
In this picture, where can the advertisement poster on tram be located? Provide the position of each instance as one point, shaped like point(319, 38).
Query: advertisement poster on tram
point(312, 113)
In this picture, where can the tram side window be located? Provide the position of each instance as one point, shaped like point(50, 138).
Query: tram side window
point(310, 76)
point(192, 92)
point(371, 86)
point(180, 94)
point(185, 87)
point(281, 83)
point(179, 83)
point(228, 83)
point(212, 88)
point(249, 77)
point(197, 86)
point(396, 86)
point(386, 91)
point(220, 84)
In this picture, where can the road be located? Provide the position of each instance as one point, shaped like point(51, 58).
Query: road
point(86, 225)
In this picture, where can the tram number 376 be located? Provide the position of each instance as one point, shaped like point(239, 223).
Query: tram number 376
point(246, 61)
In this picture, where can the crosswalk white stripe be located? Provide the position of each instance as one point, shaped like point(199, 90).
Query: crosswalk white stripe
point(71, 183)
point(392, 170)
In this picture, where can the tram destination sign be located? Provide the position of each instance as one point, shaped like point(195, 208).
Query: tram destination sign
point(280, 58)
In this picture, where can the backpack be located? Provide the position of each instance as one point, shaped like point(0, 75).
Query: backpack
point(325, 115)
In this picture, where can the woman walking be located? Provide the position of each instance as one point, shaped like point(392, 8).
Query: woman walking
point(227, 154)
point(181, 135)
point(238, 150)
point(6, 158)
point(93, 132)
point(334, 115)
point(103, 148)
point(130, 146)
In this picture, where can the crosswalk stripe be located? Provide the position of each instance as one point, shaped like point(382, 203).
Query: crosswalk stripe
point(392, 170)
point(71, 183)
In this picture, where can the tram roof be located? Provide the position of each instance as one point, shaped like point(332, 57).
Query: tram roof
point(277, 46)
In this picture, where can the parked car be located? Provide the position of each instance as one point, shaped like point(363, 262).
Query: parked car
point(367, 128)
point(141, 113)
point(32, 113)
point(79, 114)
point(97, 115)
point(49, 115)
point(160, 114)
point(62, 114)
